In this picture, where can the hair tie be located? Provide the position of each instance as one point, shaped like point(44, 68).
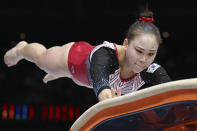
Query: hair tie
point(147, 19)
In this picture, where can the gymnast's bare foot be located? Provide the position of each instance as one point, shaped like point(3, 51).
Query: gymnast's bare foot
point(11, 57)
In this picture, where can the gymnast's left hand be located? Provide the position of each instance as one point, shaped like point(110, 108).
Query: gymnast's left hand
point(114, 94)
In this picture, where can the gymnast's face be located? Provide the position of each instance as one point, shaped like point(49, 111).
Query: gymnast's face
point(141, 51)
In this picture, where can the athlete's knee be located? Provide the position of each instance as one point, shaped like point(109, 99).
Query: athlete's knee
point(41, 48)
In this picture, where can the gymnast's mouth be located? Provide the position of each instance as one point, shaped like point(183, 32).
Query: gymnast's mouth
point(139, 66)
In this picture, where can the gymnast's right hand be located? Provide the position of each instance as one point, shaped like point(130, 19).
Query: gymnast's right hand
point(108, 93)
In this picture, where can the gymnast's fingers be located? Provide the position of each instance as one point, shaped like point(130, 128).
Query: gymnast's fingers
point(113, 92)
point(119, 92)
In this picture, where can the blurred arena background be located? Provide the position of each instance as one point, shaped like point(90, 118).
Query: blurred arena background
point(26, 103)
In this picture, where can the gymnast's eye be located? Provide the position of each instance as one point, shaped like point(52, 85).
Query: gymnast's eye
point(139, 51)
point(151, 54)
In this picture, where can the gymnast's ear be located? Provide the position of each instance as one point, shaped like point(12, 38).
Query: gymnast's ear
point(126, 42)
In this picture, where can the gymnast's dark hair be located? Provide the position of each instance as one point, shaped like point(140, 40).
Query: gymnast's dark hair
point(144, 26)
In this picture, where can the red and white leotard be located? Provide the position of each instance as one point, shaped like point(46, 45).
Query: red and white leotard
point(77, 56)
point(98, 67)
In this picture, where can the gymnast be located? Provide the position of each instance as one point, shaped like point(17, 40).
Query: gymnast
point(110, 69)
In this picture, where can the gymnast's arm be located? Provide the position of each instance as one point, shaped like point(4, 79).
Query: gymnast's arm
point(103, 63)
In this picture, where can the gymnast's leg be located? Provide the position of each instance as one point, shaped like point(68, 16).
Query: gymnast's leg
point(53, 60)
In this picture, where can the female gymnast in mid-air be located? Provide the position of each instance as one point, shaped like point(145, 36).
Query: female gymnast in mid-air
point(110, 69)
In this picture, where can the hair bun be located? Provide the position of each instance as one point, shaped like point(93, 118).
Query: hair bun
point(146, 15)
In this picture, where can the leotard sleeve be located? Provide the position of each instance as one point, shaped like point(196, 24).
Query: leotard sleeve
point(103, 63)
point(155, 74)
